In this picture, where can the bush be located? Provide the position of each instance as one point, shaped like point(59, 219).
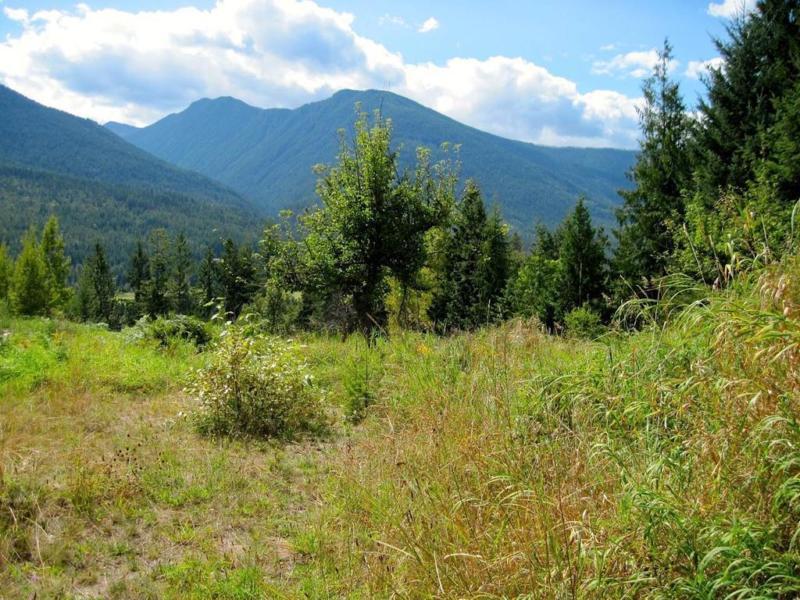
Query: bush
point(583, 322)
point(257, 387)
point(166, 330)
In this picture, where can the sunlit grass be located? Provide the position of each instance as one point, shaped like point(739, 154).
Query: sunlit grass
point(503, 463)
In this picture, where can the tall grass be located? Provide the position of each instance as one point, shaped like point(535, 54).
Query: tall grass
point(664, 463)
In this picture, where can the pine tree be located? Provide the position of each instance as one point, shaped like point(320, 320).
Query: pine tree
point(139, 273)
point(583, 260)
point(181, 273)
point(662, 171)
point(6, 271)
point(29, 285)
point(56, 262)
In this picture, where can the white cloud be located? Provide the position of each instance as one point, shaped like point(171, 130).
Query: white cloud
point(136, 67)
point(633, 64)
point(608, 47)
point(697, 68)
point(730, 8)
point(430, 24)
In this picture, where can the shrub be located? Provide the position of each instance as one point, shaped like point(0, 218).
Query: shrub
point(257, 387)
point(583, 322)
point(166, 330)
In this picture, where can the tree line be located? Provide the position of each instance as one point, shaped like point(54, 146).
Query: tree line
point(390, 246)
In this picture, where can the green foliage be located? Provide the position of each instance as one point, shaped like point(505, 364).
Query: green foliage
point(6, 272)
point(583, 260)
point(156, 292)
point(372, 223)
point(237, 273)
point(583, 322)
point(56, 262)
point(30, 293)
point(167, 330)
point(96, 289)
point(473, 269)
point(535, 291)
point(256, 387)
point(662, 171)
point(181, 274)
point(139, 272)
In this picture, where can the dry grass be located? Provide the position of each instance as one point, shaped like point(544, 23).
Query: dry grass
point(661, 464)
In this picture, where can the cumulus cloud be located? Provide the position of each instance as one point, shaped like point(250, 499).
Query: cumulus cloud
point(730, 8)
point(697, 68)
point(632, 64)
point(135, 67)
point(430, 24)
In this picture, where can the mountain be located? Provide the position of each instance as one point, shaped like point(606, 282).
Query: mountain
point(101, 187)
point(267, 155)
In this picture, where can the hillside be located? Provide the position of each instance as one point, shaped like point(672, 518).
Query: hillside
point(268, 155)
point(100, 186)
point(115, 215)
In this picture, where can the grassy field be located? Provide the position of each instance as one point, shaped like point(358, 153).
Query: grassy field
point(505, 463)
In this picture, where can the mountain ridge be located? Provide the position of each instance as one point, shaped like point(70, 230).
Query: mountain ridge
point(267, 154)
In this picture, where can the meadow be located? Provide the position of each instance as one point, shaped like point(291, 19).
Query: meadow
point(504, 463)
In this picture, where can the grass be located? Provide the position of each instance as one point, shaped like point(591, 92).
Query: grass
point(499, 464)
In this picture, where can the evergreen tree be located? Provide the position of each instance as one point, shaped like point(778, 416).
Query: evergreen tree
point(56, 262)
point(209, 277)
point(139, 273)
point(29, 284)
point(6, 271)
point(156, 299)
point(475, 266)
point(761, 67)
point(101, 284)
point(535, 291)
point(662, 171)
point(583, 260)
point(181, 273)
point(238, 277)
point(372, 224)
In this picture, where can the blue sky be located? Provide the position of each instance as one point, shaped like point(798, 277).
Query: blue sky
point(561, 73)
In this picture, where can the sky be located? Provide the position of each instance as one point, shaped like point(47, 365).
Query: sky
point(554, 72)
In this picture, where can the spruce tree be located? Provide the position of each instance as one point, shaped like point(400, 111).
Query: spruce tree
point(56, 262)
point(238, 276)
point(209, 277)
point(156, 299)
point(662, 172)
point(181, 273)
point(583, 260)
point(29, 284)
point(139, 273)
point(102, 285)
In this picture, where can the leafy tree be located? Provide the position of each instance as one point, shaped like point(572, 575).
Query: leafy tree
point(662, 171)
point(583, 260)
point(6, 271)
point(181, 273)
point(535, 291)
point(139, 272)
point(56, 262)
point(371, 225)
point(29, 284)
